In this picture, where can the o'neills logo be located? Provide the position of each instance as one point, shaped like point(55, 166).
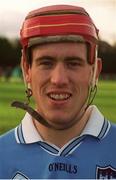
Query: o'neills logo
point(69, 168)
point(107, 172)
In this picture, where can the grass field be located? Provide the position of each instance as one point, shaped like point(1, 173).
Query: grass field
point(10, 117)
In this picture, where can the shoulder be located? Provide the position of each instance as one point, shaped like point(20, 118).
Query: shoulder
point(111, 134)
point(7, 139)
point(113, 128)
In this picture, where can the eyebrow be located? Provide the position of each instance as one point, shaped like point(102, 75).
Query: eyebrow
point(77, 58)
point(44, 57)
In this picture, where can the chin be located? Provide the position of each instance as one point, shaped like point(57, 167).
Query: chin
point(60, 123)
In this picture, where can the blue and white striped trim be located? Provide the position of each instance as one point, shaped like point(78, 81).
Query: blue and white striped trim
point(19, 134)
point(19, 176)
point(64, 151)
point(105, 129)
point(49, 148)
point(72, 146)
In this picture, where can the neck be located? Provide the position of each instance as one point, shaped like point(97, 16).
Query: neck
point(61, 137)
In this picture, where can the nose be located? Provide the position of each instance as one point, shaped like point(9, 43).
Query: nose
point(59, 75)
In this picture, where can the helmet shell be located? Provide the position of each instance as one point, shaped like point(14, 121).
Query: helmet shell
point(59, 23)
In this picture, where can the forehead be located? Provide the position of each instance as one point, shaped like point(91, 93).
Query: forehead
point(61, 49)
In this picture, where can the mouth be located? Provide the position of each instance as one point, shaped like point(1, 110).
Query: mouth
point(59, 96)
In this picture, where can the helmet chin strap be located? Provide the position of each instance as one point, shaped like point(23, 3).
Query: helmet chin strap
point(91, 96)
point(31, 111)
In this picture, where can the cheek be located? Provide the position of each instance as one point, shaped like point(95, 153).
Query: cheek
point(85, 81)
point(86, 78)
point(37, 82)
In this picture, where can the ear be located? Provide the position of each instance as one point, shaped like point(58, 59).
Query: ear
point(97, 67)
point(25, 69)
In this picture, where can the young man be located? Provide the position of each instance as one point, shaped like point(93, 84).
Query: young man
point(64, 137)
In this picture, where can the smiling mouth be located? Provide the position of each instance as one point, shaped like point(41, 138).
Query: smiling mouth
point(59, 96)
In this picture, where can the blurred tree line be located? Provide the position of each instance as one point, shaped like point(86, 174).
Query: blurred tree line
point(108, 55)
point(10, 54)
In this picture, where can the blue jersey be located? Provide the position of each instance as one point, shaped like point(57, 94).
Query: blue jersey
point(92, 155)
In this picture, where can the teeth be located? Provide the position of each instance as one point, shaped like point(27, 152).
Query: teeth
point(59, 96)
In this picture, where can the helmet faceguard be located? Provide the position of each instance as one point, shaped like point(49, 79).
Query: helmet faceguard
point(59, 23)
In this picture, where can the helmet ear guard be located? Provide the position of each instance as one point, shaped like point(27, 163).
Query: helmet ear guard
point(23, 66)
point(94, 78)
point(97, 67)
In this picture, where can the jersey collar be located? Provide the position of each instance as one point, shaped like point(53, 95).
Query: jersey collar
point(97, 126)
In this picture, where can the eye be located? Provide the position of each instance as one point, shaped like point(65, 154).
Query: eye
point(45, 63)
point(74, 64)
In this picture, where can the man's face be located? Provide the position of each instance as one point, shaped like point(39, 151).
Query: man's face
point(60, 77)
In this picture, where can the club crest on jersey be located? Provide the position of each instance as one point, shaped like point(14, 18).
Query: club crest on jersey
point(20, 176)
point(107, 172)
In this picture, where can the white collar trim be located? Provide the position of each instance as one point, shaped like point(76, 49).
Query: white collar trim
point(30, 133)
point(95, 123)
